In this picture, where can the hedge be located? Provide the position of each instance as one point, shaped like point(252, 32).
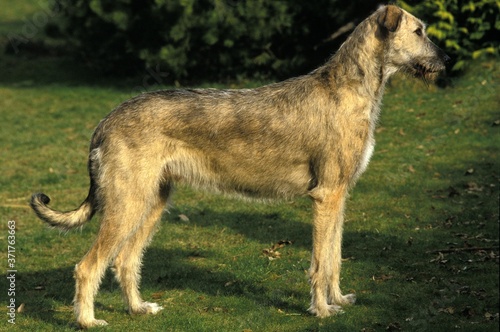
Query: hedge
point(228, 39)
point(205, 39)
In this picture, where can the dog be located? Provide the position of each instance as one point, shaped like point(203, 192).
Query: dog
point(310, 135)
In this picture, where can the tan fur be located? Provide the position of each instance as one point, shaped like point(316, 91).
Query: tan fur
point(310, 135)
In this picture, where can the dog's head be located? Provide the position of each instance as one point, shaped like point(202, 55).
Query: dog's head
point(409, 47)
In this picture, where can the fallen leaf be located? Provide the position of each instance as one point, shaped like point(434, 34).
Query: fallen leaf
point(20, 308)
point(272, 252)
point(383, 277)
point(157, 295)
point(281, 244)
point(183, 217)
point(489, 316)
point(469, 171)
point(411, 169)
point(439, 259)
point(229, 283)
point(347, 259)
point(449, 310)
point(473, 187)
point(393, 327)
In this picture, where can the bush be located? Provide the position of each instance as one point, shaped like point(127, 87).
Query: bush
point(465, 29)
point(205, 39)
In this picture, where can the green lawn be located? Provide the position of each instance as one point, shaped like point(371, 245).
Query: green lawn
point(420, 243)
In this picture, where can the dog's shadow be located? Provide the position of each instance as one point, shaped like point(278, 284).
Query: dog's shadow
point(45, 293)
point(178, 269)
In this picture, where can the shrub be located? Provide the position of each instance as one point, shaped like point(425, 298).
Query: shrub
point(205, 39)
point(465, 29)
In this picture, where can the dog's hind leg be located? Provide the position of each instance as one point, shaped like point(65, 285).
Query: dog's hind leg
point(128, 262)
point(123, 213)
point(90, 270)
point(326, 259)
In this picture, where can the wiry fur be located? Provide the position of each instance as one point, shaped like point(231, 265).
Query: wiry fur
point(310, 135)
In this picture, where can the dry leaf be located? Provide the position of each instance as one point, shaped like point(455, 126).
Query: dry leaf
point(489, 316)
point(439, 258)
point(157, 295)
point(183, 217)
point(449, 310)
point(229, 283)
point(473, 187)
point(383, 277)
point(272, 252)
point(411, 169)
point(281, 244)
point(393, 327)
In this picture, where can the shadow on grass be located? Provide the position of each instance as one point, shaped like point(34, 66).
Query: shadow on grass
point(387, 258)
point(48, 293)
point(267, 227)
point(25, 71)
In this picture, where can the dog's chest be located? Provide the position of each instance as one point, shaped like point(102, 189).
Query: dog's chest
point(369, 144)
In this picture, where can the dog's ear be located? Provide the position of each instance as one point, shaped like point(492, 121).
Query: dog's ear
point(389, 17)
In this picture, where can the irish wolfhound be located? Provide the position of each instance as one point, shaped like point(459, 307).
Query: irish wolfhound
point(310, 135)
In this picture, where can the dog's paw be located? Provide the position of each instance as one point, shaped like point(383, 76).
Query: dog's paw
point(146, 308)
point(152, 308)
point(349, 299)
point(326, 310)
point(343, 300)
point(92, 323)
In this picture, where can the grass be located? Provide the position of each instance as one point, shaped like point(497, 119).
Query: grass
point(432, 186)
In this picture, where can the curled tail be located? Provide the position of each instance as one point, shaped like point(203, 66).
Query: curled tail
point(63, 220)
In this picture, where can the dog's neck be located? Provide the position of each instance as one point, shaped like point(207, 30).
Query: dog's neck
point(360, 61)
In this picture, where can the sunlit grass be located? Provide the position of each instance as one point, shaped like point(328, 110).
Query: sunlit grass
point(432, 185)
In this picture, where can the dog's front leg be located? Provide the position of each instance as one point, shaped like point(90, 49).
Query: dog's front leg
point(326, 257)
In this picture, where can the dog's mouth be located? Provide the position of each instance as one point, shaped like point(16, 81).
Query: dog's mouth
point(426, 72)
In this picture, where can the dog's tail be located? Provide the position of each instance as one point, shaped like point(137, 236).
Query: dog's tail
point(64, 220)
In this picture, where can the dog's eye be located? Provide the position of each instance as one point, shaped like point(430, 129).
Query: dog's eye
point(419, 32)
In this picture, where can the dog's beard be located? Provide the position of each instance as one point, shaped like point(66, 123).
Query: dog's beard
point(426, 71)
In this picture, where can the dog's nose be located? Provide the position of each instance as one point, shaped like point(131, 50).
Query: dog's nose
point(446, 58)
